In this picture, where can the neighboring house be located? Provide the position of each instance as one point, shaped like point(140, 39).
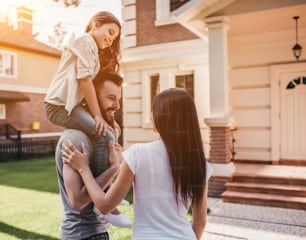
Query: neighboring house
point(26, 69)
point(235, 57)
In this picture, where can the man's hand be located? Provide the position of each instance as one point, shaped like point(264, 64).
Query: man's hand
point(118, 149)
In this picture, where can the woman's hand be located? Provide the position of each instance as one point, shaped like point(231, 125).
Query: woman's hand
point(72, 156)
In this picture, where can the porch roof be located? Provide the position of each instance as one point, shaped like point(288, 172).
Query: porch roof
point(9, 96)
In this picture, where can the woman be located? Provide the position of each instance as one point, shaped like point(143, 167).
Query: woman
point(169, 174)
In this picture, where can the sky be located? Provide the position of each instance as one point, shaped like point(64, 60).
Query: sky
point(47, 13)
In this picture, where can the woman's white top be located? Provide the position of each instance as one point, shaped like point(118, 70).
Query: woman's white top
point(79, 59)
point(156, 213)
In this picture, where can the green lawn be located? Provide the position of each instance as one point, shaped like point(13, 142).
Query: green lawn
point(30, 203)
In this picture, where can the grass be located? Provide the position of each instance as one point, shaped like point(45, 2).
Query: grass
point(30, 206)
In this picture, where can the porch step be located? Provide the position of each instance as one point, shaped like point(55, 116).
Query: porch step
point(301, 163)
point(269, 179)
point(264, 188)
point(267, 185)
point(272, 200)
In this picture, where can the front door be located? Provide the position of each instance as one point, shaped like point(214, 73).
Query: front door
point(293, 116)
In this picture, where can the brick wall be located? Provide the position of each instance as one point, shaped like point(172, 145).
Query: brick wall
point(22, 114)
point(148, 33)
point(220, 148)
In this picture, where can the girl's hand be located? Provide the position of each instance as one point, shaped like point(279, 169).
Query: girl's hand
point(101, 126)
point(73, 157)
point(116, 126)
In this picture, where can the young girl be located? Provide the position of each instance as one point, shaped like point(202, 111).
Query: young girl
point(98, 49)
point(169, 175)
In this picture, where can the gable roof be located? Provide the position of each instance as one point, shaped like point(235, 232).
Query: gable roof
point(22, 40)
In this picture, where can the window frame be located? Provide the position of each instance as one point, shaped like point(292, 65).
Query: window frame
point(13, 64)
point(2, 111)
point(167, 79)
point(186, 74)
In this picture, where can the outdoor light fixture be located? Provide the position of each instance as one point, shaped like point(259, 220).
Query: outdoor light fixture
point(297, 48)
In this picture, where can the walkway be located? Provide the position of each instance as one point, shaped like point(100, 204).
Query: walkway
point(231, 221)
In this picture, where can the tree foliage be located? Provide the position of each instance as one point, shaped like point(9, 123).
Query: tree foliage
point(59, 33)
point(69, 3)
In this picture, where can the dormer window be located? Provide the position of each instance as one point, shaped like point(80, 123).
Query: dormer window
point(164, 8)
point(175, 4)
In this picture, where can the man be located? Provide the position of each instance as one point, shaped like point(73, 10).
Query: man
point(79, 220)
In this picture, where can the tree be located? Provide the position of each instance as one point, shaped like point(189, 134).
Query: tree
point(69, 3)
point(59, 33)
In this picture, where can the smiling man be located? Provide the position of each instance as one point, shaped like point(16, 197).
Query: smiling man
point(79, 220)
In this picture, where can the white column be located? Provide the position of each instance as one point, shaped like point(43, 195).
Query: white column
point(218, 120)
point(218, 69)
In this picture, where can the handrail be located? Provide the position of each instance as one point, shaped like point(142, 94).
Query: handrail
point(10, 132)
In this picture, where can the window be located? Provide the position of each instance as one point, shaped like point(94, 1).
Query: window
point(296, 81)
point(185, 81)
point(8, 62)
point(175, 4)
point(155, 87)
point(2, 111)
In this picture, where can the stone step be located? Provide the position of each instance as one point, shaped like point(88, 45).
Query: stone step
point(268, 179)
point(272, 200)
point(278, 189)
point(270, 174)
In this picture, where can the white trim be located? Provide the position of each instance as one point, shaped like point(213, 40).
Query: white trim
point(275, 72)
point(163, 14)
point(33, 135)
point(2, 111)
point(23, 88)
point(166, 51)
point(146, 97)
point(166, 80)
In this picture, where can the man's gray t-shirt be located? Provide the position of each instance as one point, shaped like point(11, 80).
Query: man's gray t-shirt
point(76, 224)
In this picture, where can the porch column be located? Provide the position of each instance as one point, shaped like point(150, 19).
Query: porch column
point(218, 120)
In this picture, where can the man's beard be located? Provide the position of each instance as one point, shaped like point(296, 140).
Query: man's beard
point(109, 119)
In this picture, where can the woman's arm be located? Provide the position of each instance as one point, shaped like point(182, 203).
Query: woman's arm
point(91, 98)
point(199, 215)
point(76, 190)
point(105, 202)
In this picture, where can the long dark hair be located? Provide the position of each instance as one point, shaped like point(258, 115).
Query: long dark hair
point(109, 57)
point(175, 118)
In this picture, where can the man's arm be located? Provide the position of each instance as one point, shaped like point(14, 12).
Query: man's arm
point(76, 189)
point(73, 183)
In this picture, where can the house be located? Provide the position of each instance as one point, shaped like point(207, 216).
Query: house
point(235, 57)
point(26, 69)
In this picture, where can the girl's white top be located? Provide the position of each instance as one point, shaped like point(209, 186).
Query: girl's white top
point(79, 59)
point(156, 213)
